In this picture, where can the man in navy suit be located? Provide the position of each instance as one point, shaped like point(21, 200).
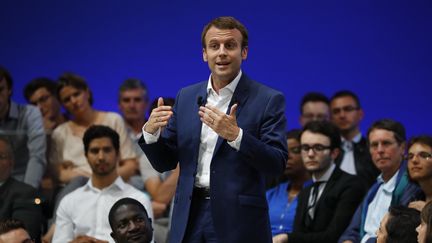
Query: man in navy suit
point(227, 133)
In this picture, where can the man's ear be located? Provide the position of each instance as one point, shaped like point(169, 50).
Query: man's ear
point(113, 236)
point(335, 153)
point(205, 55)
point(244, 52)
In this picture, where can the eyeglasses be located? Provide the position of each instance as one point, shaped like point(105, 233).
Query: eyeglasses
point(385, 144)
point(295, 150)
point(423, 155)
point(346, 109)
point(317, 148)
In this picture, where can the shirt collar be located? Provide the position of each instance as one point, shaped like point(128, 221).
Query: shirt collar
point(326, 176)
point(118, 183)
point(13, 110)
point(231, 86)
point(390, 185)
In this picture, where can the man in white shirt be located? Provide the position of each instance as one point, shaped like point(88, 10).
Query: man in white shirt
point(83, 214)
point(387, 148)
point(355, 159)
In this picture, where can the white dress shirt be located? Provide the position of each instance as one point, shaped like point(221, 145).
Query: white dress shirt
point(379, 206)
point(208, 138)
point(85, 210)
point(348, 163)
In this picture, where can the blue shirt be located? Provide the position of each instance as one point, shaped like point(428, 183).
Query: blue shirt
point(281, 211)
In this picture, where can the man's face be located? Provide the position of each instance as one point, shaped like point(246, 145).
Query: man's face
point(16, 236)
point(131, 225)
point(314, 111)
point(133, 104)
point(102, 156)
point(294, 164)
point(47, 102)
point(74, 100)
point(224, 53)
point(386, 153)
point(5, 93)
point(382, 231)
point(420, 162)
point(313, 159)
point(6, 162)
point(345, 113)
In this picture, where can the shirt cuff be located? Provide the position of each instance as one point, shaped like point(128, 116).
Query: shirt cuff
point(150, 138)
point(236, 143)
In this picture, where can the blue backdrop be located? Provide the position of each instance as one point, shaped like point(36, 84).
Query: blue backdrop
point(380, 49)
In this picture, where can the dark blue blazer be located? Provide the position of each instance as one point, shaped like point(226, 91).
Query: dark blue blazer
point(237, 181)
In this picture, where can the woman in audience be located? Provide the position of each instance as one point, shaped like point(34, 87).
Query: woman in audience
point(282, 199)
point(420, 166)
point(424, 230)
point(399, 225)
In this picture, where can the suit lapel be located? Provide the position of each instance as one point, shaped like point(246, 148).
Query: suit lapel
point(196, 122)
point(240, 96)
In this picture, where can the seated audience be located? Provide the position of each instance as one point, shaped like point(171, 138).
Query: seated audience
point(346, 114)
point(387, 147)
point(420, 166)
point(282, 199)
point(23, 125)
point(42, 92)
point(399, 225)
point(424, 229)
point(83, 212)
point(13, 231)
point(17, 199)
point(324, 208)
point(130, 222)
point(314, 106)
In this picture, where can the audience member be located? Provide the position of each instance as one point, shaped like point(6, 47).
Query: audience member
point(282, 199)
point(325, 208)
point(346, 114)
point(67, 151)
point(17, 199)
point(23, 125)
point(387, 148)
point(42, 92)
point(130, 222)
point(399, 225)
point(424, 229)
point(314, 106)
point(83, 212)
point(13, 231)
point(420, 167)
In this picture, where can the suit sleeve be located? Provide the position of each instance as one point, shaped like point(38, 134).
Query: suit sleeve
point(268, 152)
point(352, 233)
point(349, 199)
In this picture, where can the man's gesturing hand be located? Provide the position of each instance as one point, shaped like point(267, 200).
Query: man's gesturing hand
point(159, 117)
point(224, 125)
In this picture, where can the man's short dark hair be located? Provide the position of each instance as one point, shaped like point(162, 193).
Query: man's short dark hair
point(226, 23)
point(346, 93)
point(390, 125)
point(133, 83)
point(4, 74)
point(401, 224)
point(74, 80)
point(293, 134)
point(121, 202)
point(313, 97)
point(38, 83)
point(422, 139)
point(8, 225)
point(99, 131)
point(327, 129)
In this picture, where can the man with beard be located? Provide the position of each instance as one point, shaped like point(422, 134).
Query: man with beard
point(81, 215)
point(130, 222)
point(346, 114)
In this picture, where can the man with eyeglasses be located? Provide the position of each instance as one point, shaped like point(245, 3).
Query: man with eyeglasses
point(387, 147)
point(314, 106)
point(23, 125)
point(14, 231)
point(346, 114)
point(325, 207)
point(42, 93)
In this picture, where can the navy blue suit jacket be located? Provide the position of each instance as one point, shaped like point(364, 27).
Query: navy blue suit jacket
point(237, 181)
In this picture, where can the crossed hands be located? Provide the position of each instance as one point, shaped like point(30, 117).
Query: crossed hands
point(224, 125)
